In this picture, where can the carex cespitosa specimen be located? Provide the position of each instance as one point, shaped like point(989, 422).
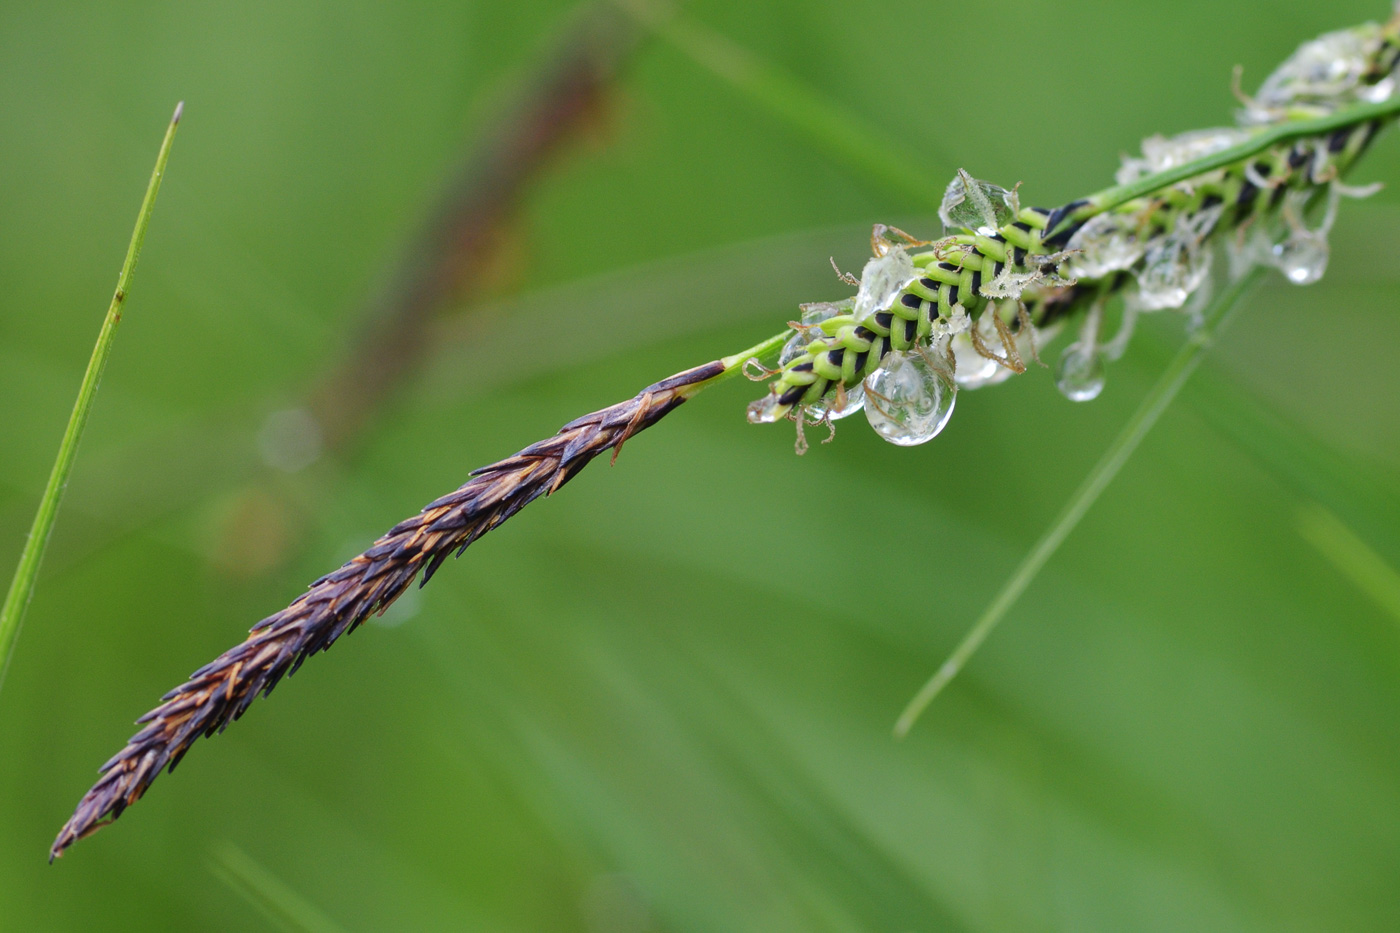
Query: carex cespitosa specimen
point(930, 318)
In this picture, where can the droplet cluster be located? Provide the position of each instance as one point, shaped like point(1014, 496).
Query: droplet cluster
point(972, 309)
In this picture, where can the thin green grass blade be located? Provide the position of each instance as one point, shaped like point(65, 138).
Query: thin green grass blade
point(22, 586)
point(1342, 484)
point(1103, 473)
point(282, 906)
point(1353, 557)
point(842, 133)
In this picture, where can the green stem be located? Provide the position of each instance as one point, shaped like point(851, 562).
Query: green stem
point(1109, 198)
point(735, 363)
point(273, 898)
point(1351, 555)
point(33, 554)
point(1103, 473)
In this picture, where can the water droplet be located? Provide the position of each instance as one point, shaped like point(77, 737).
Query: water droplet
point(972, 369)
point(979, 206)
point(1106, 244)
point(1080, 375)
point(828, 407)
point(1177, 264)
point(1303, 256)
point(765, 410)
point(1377, 93)
point(881, 281)
point(908, 400)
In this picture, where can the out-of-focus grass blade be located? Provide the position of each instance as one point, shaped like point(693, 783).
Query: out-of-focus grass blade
point(1356, 559)
point(1123, 446)
point(275, 900)
point(844, 134)
point(1287, 450)
point(22, 586)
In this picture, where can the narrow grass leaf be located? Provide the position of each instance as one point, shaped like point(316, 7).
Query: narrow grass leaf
point(1103, 473)
point(276, 901)
point(1338, 482)
point(22, 586)
point(1353, 557)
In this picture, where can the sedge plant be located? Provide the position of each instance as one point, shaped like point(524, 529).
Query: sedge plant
point(32, 556)
point(930, 317)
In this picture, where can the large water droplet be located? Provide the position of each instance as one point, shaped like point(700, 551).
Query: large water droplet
point(765, 410)
point(979, 206)
point(881, 281)
point(1080, 375)
point(908, 400)
point(829, 407)
point(1106, 244)
point(1303, 256)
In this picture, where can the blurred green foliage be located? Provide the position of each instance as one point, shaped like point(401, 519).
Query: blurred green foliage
point(662, 700)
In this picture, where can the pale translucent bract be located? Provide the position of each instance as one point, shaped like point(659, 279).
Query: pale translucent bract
point(1178, 263)
point(881, 281)
point(1321, 76)
point(812, 317)
point(764, 410)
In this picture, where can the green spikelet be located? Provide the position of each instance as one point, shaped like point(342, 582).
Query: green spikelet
point(974, 305)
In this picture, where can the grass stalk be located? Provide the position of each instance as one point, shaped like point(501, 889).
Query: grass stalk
point(1356, 560)
point(1286, 131)
point(1153, 405)
point(22, 586)
point(414, 549)
point(282, 906)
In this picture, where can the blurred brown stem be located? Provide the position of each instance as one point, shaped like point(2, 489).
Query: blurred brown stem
point(452, 256)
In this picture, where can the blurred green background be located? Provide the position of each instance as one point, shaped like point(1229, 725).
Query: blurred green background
point(662, 700)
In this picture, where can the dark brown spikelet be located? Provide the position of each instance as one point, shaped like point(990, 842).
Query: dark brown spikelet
point(220, 691)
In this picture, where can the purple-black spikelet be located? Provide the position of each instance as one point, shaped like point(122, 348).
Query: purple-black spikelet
point(220, 691)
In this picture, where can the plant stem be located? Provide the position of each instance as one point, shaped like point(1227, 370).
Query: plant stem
point(1109, 198)
point(272, 897)
point(1103, 473)
point(26, 573)
point(1351, 555)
